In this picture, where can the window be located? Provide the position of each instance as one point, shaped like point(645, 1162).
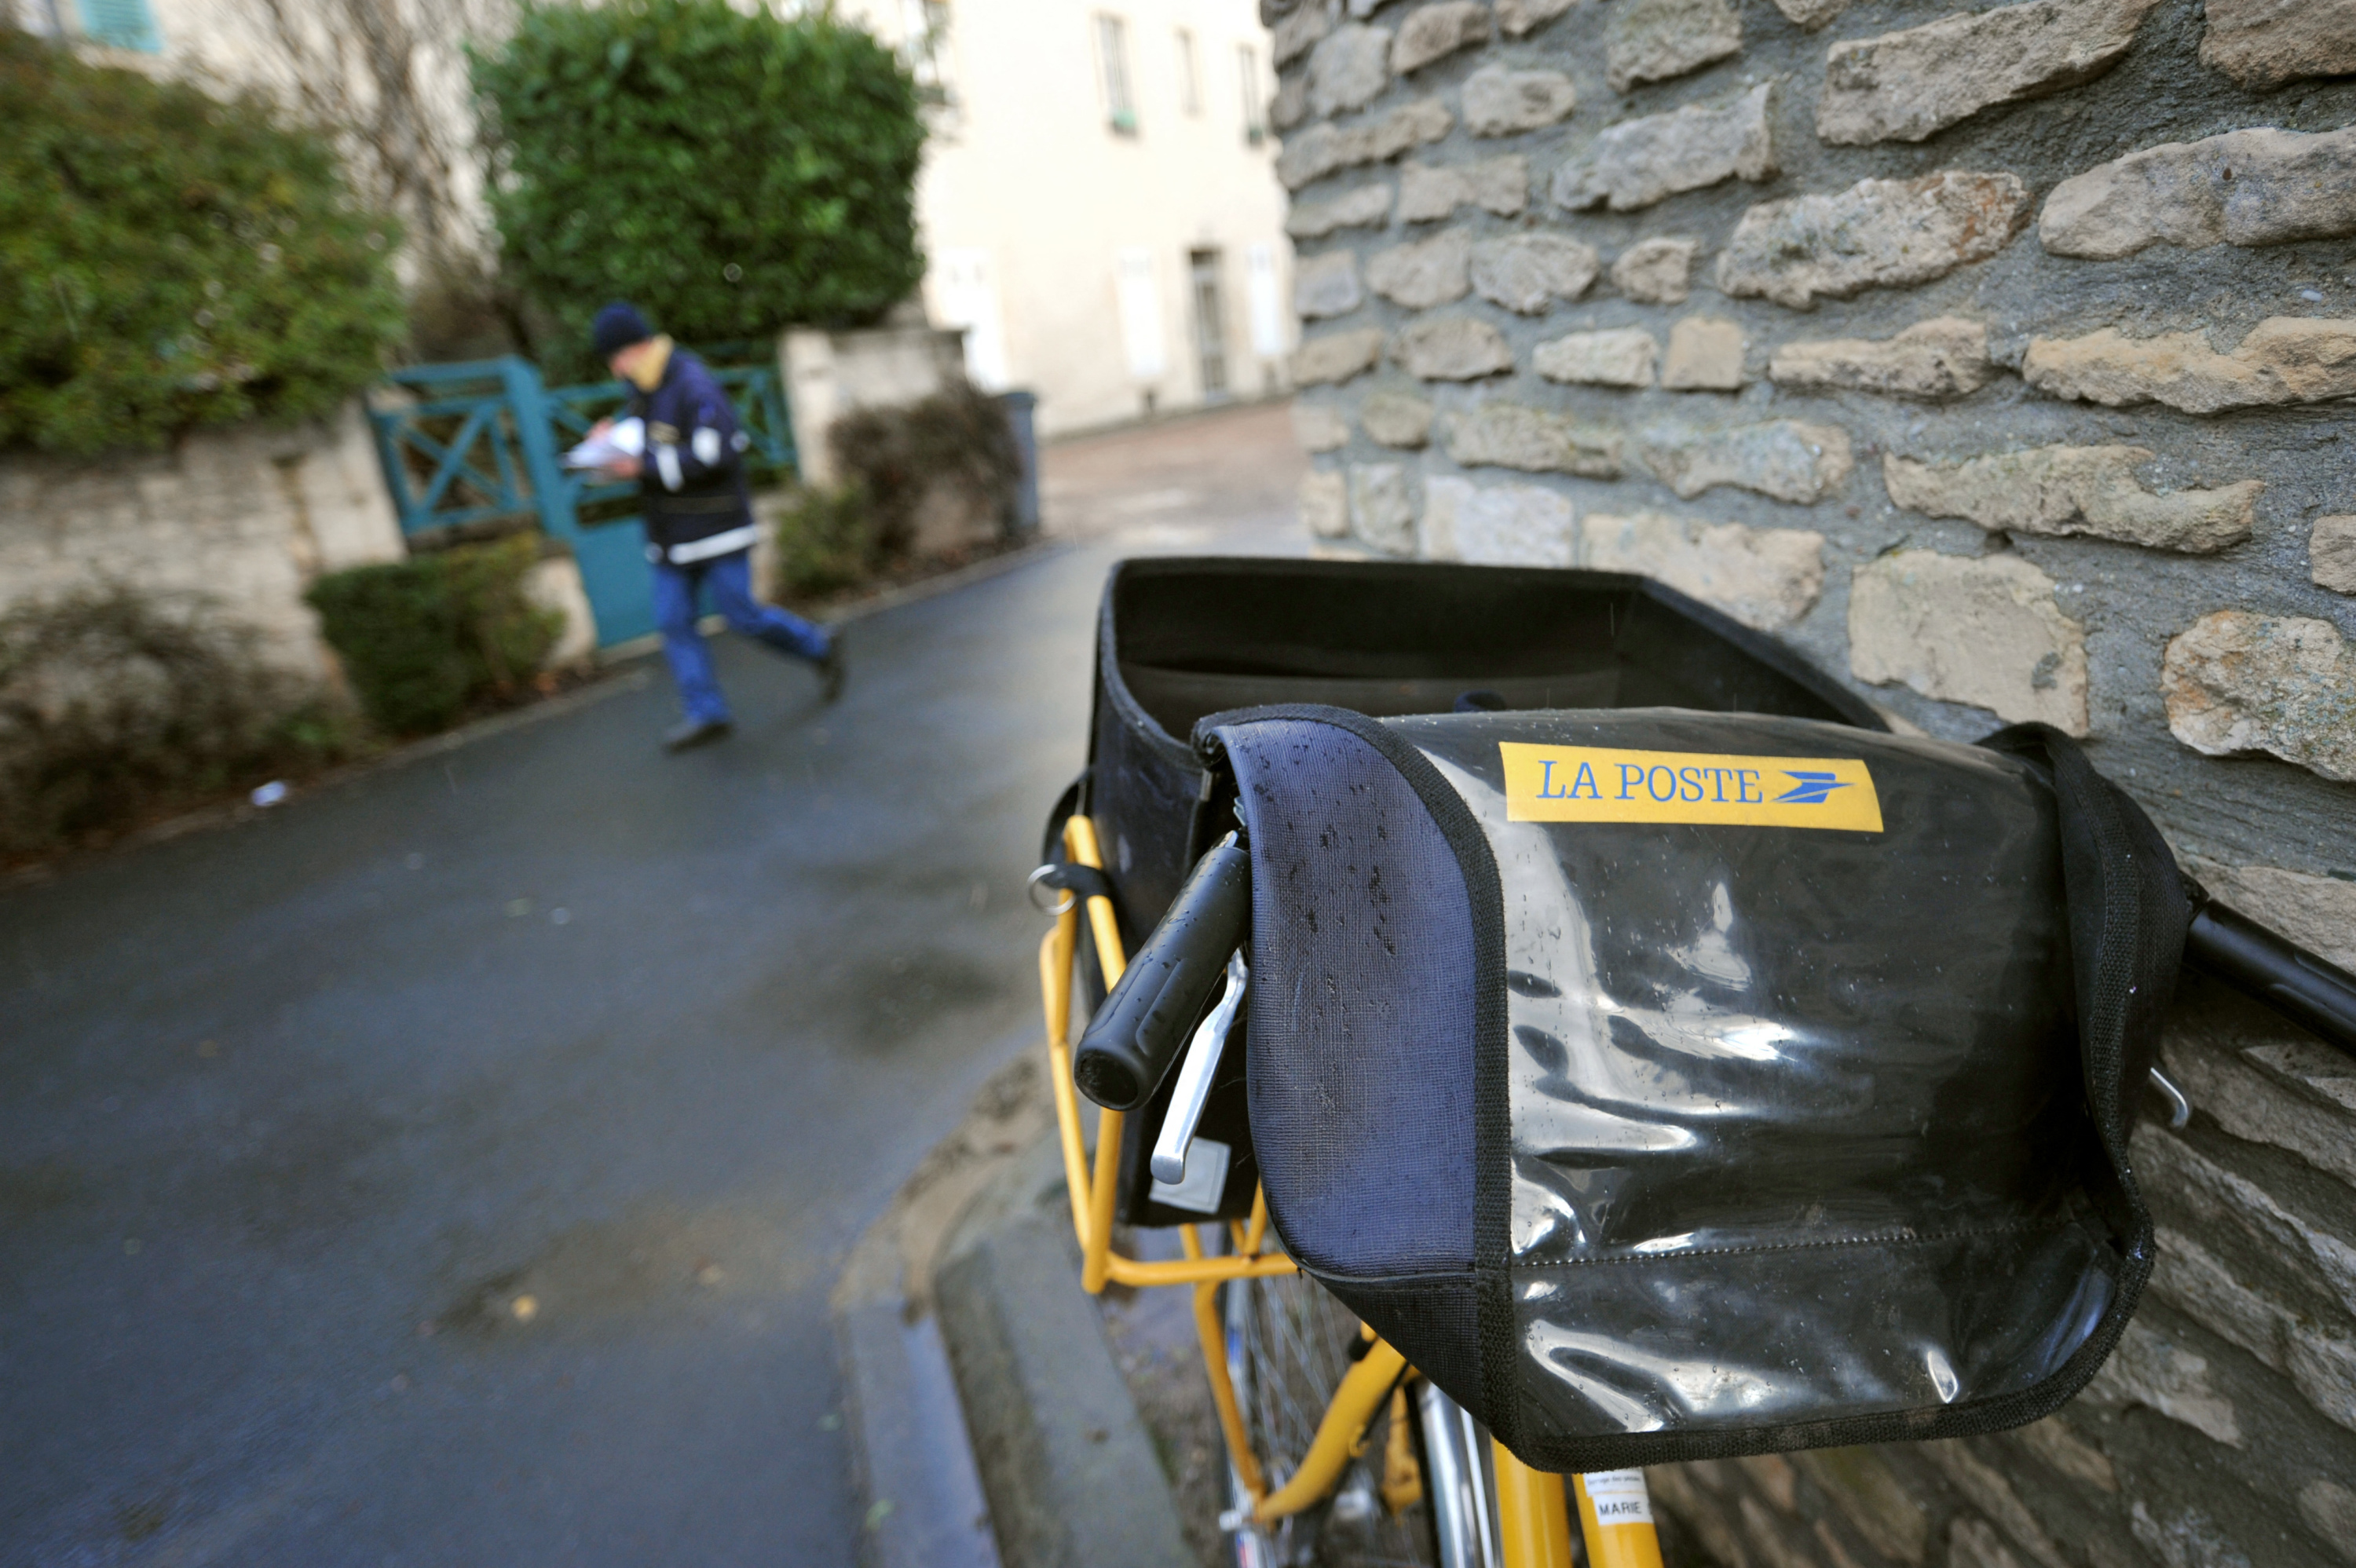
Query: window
point(1255, 115)
point(924, 25)
point(120, 24)
point(1112, 58)
point(1190, 91)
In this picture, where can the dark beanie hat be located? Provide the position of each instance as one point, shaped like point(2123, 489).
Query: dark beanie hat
point(619, 324)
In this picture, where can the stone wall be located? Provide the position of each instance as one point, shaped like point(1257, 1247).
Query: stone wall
point(1999, 359)
point(247, 516)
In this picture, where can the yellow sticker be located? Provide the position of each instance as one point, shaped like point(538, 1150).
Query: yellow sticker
point(1590, 784)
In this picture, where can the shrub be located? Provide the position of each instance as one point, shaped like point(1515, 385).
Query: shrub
point(170, 260)
point(826, 542)
point(730, 173)
point(959, 436)
point(424, 639)
point(114, 705)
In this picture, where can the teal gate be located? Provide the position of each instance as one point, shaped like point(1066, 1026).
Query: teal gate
point(476, 449)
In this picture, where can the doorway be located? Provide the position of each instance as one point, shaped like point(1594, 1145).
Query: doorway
point(1210, 323)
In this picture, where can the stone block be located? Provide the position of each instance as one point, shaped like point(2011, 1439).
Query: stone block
point(1496, 525)
point(1876, 234)
point(2284, 359)
point(2264, 43)
point(2330, 1510)
point(1335, 357)
point(1290, 107)
point(1944, 357)
point(1974, 1543)
point(1501, 186)
point(1766, 577)
point(1368, 206)
point(1787, 459)
point(1348, 69)
point(1319, 427)
point(2151, 1369)
point(2236, 681)
point(1653, 40)
point(2059, 490)
point(1322, 149)
point(1325, 505)
point(1525, 272)
point(1907, 85)
point(1704, 356)
point(1989, 1492)
point(1298, 32)
point(1395, 419)
point(2187, 1538)
point(1640, 162)
point(2220, 1201)
point(1871, 1498)
point(1498, 101)
point(2317, 912)
point(2289, 1093)
point(2055, 1442)
point(1983, 632)
point(1773, 1476)
point(2245, 187)
point(1434, 32)
point(1424, 272)
point(1452, 348)
point(1655, 271)
point(2331, 553)
point(1623, 356)
point(1812, 14)
point(1508, 435)
point(1326, 286)
point(1516, 19)
point(1381, 506)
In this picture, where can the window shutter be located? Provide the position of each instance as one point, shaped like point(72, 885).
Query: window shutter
point(121, 25)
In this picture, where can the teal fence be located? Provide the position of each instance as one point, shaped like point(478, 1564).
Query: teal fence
point(478, 448)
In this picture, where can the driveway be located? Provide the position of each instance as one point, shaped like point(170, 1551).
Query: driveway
point(451, 1165)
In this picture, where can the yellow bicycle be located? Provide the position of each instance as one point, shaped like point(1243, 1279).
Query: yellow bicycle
point(1338, 1452)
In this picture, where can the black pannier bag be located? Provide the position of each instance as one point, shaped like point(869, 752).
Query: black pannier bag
point(1668, 1085)
point(1181, 637)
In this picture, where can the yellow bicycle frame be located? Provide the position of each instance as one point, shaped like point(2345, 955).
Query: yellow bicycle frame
point(1533, 1506)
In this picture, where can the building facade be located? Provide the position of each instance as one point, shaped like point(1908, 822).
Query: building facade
point(1099, 201)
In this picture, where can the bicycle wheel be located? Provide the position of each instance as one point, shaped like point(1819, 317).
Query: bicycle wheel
point(1288, 1346)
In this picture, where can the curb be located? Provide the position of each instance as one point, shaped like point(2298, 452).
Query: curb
point(990, 1425)
point(1072, 1476)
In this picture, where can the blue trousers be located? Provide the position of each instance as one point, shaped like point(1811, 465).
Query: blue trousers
point(730, 578)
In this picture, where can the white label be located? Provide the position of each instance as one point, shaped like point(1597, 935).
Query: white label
point(1205, 1179)
point(1619, 1497)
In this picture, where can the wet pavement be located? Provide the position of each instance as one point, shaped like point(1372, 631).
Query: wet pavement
point(450, 1166)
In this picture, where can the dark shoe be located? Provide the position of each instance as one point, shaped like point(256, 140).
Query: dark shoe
point(694, 732)
point(829, 669)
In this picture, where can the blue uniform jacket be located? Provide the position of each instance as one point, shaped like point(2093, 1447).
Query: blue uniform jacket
point(693, 484)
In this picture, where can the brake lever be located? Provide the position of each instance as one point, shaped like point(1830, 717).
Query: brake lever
point(1194, 1088)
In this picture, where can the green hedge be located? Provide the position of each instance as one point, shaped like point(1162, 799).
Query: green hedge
point(732, 173)
point(425, 639)
point(896, 456)
point(170, 260)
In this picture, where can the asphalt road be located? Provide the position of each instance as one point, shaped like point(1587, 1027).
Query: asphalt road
point(450, 1166)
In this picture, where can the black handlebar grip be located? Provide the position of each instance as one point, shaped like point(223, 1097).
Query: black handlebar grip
point(2316, 995)
point(1135, 1038)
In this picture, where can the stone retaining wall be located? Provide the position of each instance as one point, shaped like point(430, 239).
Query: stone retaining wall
point(245, 515)
point(2000, 360)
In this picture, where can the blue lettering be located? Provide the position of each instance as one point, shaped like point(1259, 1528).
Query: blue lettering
point(1630, 777)
point(1659, 771)
point(1545, 781)
point(1585, 780)
point(1692, 779)
point(1718, 784)
point(1750, 776)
